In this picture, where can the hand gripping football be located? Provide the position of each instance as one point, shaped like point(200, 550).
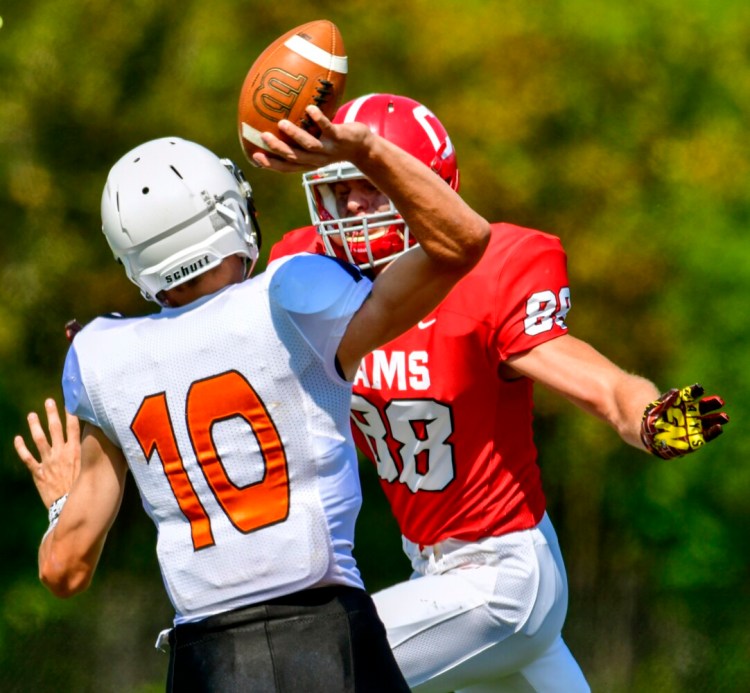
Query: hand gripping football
point(306, 66)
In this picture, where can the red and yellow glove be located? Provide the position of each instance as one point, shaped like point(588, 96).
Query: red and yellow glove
point(681, 421)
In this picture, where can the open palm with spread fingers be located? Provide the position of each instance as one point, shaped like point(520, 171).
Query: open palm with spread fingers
point(59, 455)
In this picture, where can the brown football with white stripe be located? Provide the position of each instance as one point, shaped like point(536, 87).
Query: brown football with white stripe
point(307, 65)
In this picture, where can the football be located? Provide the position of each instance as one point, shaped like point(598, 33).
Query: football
point(305, 66)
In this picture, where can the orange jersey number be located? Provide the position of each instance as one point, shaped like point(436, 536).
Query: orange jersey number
point(209, 401)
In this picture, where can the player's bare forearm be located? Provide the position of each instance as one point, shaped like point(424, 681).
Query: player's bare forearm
point(670, 425)
point(578, 372)
point(631, 394)
point(673, 424)
point(70, 552)
point(617, 398)
point(63, 572)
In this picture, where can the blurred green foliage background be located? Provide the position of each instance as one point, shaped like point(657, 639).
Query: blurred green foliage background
point(621, 126)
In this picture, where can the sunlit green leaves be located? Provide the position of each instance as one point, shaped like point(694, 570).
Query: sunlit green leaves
point(620, 126)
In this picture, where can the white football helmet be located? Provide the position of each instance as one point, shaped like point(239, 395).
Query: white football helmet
point(371, 240)
point(171, 210)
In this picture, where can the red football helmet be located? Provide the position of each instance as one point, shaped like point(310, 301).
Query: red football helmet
point(371, 240)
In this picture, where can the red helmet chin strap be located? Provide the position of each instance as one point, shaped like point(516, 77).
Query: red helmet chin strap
point(323, 213)
point(437, 163)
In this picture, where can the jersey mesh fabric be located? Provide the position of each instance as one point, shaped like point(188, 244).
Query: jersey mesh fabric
point(241, 391)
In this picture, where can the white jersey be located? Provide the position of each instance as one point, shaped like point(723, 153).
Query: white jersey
point(235, 424)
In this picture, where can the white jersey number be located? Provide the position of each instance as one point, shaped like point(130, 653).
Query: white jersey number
point(544, 310)
point(421, 427)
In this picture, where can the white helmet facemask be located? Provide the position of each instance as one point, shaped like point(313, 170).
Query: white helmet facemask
point(171, 210)
point(368, 240)
point(373, 240)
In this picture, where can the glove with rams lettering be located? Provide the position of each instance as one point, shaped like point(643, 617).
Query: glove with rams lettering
point(681, 421)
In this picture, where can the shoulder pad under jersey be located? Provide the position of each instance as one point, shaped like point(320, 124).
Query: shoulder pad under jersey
point(310, 284)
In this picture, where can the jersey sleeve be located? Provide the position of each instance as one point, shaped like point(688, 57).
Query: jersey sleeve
point(532, 295)
point(75, 395)
point(74, 390)
point(320, 294)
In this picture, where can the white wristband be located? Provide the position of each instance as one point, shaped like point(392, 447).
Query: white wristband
point(55, 509)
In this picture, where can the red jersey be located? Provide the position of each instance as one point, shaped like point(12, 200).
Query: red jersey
point(304, 240)
point(452, 441)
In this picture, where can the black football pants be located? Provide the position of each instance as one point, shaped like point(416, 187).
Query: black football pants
point(325, 640)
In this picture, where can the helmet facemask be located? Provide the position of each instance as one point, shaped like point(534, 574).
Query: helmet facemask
point(373, 240)
point(368, 240)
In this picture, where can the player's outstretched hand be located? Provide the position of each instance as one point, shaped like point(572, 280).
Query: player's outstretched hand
point(305, 152)
point(59, 455)
point(681, 421)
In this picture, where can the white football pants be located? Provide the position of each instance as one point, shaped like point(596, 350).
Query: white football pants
point(484, 616)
